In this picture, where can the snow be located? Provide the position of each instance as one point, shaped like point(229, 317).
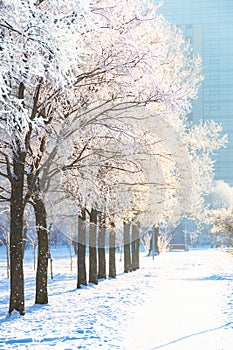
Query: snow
point(180, 300)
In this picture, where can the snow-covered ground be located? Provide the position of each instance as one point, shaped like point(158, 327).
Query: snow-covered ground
point(178, 301)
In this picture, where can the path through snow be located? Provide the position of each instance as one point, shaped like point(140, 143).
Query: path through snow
point(178, 301)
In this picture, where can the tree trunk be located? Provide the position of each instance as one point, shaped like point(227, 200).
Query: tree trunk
point(81, 256)
point(127, 255)
point(101, 247)
point(156, 239)
point(112, 251)
point(16, 235)
point(135, 236)
point(135, 246)
point(93, 275)
point(43, 250)
point(137, 262)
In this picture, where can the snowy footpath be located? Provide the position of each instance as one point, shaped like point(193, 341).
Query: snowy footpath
point(178, 301)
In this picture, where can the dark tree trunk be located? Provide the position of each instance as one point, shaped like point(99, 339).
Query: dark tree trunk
point(81, 256)
point(127, 254)
point(156, 239)
point(154, 246)
point(135, 246)
point(112, 251)
point(43, 250)
point(16, 235)
point(138, 248)
point(134, 238)
point(93, 274)
point(101, 247)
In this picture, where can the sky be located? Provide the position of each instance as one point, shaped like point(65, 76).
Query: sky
point(208, 25)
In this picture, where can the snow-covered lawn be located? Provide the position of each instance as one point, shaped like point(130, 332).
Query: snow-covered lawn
point(179, 300)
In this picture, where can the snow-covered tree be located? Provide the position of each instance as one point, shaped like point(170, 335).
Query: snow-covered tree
point(60, 62)
point(202, 141)
point(36, 70)
point(219, 213)
point(222, 224)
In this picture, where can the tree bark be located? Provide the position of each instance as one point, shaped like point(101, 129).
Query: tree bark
point(134, 238)
point(93, 274)
point(81, 256)
point(135, 246)
point(127, 254)
point(101, 247)
point(138, 247)
point(16, 234)
point(156, 239)
point(112, 251)
point(43, 250)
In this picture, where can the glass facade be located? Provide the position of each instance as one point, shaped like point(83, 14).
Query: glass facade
point(208, 24)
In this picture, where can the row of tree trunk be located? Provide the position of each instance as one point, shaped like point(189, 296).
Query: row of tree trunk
point(97, 248)
point(18, 202)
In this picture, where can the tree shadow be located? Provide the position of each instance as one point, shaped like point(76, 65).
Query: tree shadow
point(226, 325)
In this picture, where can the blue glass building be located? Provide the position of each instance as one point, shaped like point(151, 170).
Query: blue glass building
point(208, 24)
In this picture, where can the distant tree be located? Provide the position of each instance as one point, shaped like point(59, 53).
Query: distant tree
point(112, 249)
point(135, 245)
point(93, 273)
point(221, 221)
point(127, 251)
point(32, 239)
point(4, 238)
point(202, 141)
point(81, 254)
point(101, 246)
